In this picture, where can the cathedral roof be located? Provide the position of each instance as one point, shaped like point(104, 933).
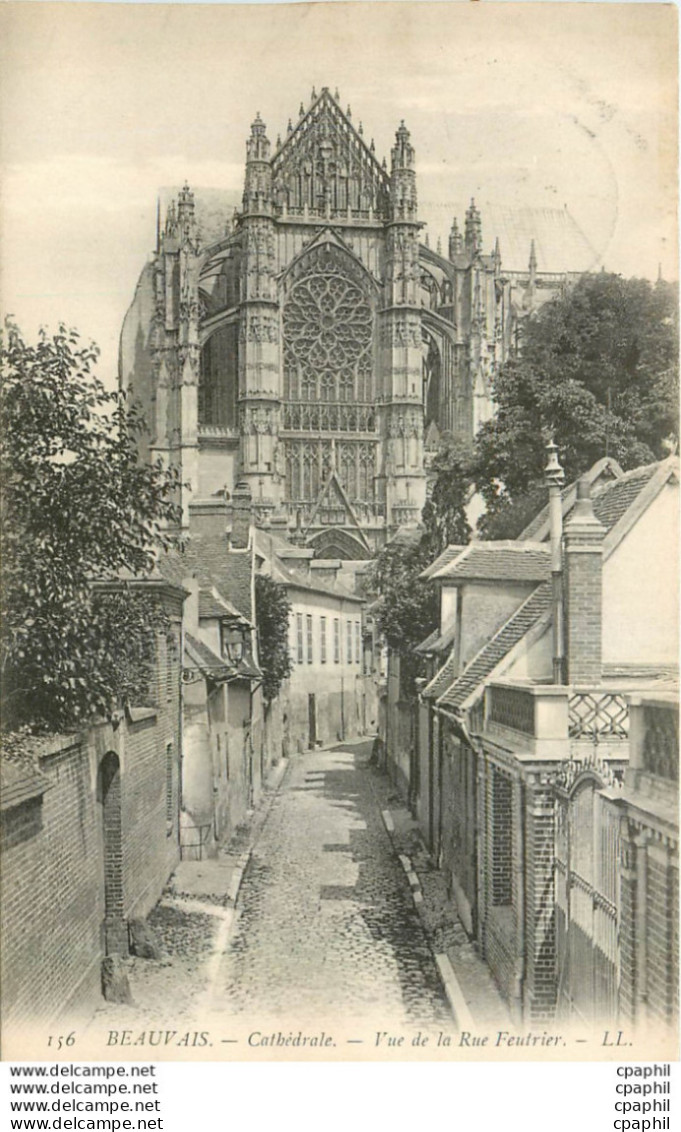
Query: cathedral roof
point(560, 244)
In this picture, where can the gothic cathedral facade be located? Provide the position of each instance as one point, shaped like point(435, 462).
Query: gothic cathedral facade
point(318, 347)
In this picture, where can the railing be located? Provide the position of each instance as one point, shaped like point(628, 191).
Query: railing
point(512, 707)
point(404, 513)
point(330, 516)
point(597, 715)
point(211, 430)
point(328, 416)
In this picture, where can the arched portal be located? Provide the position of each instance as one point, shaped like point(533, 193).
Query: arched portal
point(109, 794)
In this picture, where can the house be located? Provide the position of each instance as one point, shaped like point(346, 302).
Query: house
point(325, 697)
point(527, 723)
point(226, 753)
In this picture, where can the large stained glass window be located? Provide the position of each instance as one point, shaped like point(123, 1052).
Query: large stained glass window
point(328, 331)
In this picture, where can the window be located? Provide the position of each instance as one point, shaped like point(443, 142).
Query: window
point(299, 638)
point(336, 641)
point(358, 643)
point(322, 640)
point(309, 638)
point(349, 640)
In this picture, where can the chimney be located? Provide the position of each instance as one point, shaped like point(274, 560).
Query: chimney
point(583, 590)
point(208, 516)
point(554, 478)
point(242, 516)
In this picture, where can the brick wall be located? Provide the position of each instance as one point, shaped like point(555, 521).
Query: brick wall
point(540, 926)
point(92, 854)
point(52, 894)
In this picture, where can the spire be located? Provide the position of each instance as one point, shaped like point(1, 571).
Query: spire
point(336, 95)
point(348, 112)
point(403, 176)
point(313, 96)
point(258, 146)
point(402, 152)
point(473, 236)
point(289, 128)
point(455, 240)
point(185, 205)
point(533, 261)
point(258, 182)
point(497, 255)
point(158, 224)
point(439, 245)
point(301, 111)
point(360, 130)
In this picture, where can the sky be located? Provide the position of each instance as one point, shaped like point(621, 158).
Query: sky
point(520, 105)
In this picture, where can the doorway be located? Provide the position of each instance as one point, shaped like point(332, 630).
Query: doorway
point(109, 792)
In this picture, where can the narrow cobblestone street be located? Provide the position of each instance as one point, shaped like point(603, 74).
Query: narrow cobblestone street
point(327, 930)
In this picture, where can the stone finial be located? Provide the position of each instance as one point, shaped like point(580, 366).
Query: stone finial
point(473, 229)
point(553, 472)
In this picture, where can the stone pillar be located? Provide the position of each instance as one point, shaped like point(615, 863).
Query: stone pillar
point(176, 347)
point(402, 481)
point(259, 331)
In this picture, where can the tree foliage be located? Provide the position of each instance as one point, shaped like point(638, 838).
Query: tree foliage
point(272, 612)
point(77, 506)
point(598, 370)
point(407, 608)
point(444, 515)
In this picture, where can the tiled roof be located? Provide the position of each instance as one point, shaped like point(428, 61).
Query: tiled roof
point(491, 654)
point(211, 604)
point(211, 559)
point(209, 662)
point(610, 501)
point(441, 681)
point(269, 546)
point(20, 780)
point(214, 666)
point(426, 646)
point(613, 500)
point(500, 561)
point(444, 641)
point(539, 527)
point(443, 559)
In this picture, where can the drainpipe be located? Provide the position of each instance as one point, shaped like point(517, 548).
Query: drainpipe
point(554, 479)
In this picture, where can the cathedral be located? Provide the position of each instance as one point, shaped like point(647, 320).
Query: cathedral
point(314, 347)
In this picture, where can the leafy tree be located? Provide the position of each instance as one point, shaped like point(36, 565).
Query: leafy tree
point(444, 515)
point(272, 611)
point(407, 608)
point(598, 370)
point(78, 506)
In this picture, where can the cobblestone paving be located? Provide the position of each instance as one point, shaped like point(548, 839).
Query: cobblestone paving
point(327, 929)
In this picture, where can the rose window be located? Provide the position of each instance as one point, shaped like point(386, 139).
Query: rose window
point(327, 334)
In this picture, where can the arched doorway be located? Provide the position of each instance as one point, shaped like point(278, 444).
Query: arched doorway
point(109, 794)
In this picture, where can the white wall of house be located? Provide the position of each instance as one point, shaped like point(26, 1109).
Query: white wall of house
point(486, 607)
point(325, 640)
point(640, 588)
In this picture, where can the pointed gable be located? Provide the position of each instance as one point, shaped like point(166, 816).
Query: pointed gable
point(325, 168)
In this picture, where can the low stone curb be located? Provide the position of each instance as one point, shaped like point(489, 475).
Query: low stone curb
point(461, 1014)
